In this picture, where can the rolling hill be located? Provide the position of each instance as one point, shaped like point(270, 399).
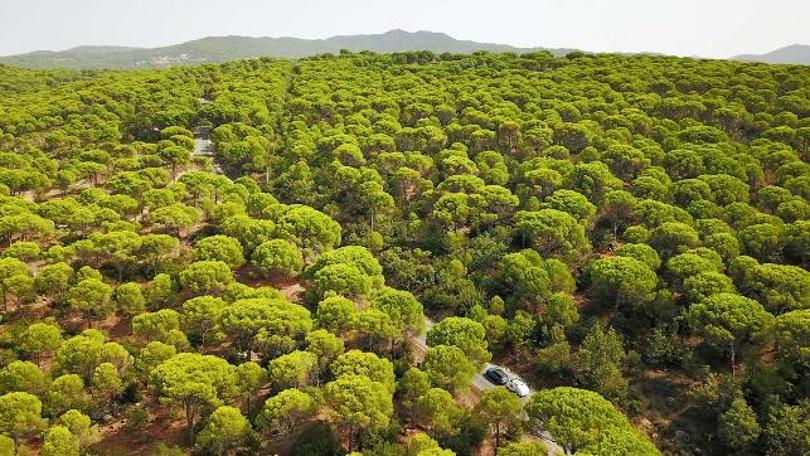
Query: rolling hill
point(798, 54)
point(225, 48)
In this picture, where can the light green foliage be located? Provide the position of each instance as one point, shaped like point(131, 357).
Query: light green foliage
point(786, 430)
point(106, 381)
point(59, 441)
point(160, 292)
point(14, 279)
point(413, 384)
point(437, 411)
point(79, 354)
point(523, 449)
point(780, 287)
point(553, 233)
point(209, 277)
point(448, 367)
point(6, 446)
point(157, 249)
point(250, 232)
point(501, 409)
point(641, 252)
point(600, 357)
point(690, 263)
point(152, 355)
point(336, 313)
point(310, 229)
point(219, 248)
point(738, 425)
point(673, 237)
point(376, 325)
point(466, 334)
point(573, 203)
point(91, 297)
point(730, 317)
point(621, 281)
point(273, 323)
point(175, 156)
point(422, 444)
point(87, 272)
point(702, 285)
point(53, 279)
point(193, 381)
point(250, 377)
point(201, 316)
point(65, 393)
point(20, 415)
point(579, 419)
point(402, 307)
point(156, 325)
point(293, 370)
point(763, 241)
point(342, 279)
point(325, 346)
point(80, 425)
point(728, 320)
point(356, 362)
point(278, 256)
point(177, 217)
point(359, 403)
point(350, 270)
point(129, 297)
point(23, 376)
point(226, 431)
point(793, 330)
point(560, 310)
point(284, 411)
point(523, 279)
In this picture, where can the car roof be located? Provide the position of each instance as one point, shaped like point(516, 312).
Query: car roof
point(519, 383)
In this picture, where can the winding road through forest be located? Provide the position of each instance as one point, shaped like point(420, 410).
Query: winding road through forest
point(480, 383)
point(204, 147)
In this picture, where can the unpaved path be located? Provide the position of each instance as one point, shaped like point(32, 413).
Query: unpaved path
point(480, 383)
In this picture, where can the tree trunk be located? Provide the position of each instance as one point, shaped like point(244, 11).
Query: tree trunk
point(733, 359)
point(247, 405)
point(497, 437)
point(189, 408)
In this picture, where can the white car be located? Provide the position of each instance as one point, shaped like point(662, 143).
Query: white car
point(518, 387)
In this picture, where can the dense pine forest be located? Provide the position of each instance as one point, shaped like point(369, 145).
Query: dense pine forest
point(319, 257)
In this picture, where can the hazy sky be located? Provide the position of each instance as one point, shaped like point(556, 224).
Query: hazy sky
point(710, 28)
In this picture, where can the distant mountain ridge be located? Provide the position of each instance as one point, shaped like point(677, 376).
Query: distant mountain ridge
point(219, 49)
point(798, 54)
point(225, 48)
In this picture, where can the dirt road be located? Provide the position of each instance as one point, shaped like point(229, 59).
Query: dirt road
point(480, 383)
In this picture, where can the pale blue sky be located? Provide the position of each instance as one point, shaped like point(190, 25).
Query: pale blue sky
point(711, 28)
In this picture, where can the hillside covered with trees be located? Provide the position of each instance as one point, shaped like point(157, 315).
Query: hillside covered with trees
point(631, 234)
point(219, 49)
